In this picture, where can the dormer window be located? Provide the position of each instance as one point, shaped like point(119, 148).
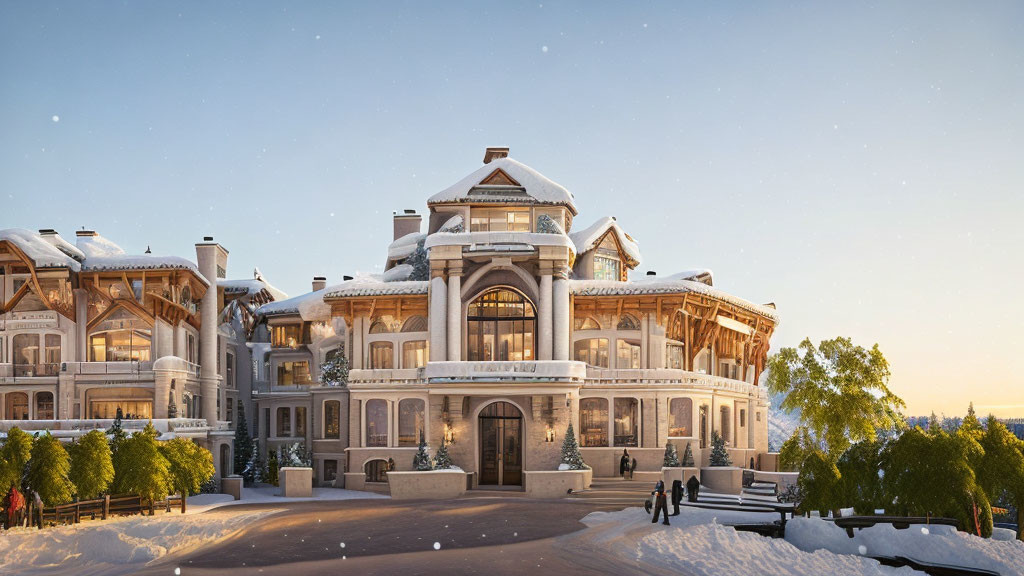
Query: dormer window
point(607, 264)
point(286, 336)
point(499, 220)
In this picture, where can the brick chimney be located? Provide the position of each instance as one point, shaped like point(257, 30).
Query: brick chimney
point(319, 283)
point(407, 222)
point(494, 153)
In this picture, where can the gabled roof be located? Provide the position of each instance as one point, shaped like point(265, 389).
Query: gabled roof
point(42, 253)
point(246, 288)
point(588, 238)
point(506, 180)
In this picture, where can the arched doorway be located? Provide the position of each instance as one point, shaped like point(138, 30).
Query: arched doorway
point(500, 325)
point(501, 445)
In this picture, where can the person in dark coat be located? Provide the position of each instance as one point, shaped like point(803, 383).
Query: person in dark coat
point(632, 468)
point(624, 464)
point(677, 496)
point(660, 503)
point(692, 488)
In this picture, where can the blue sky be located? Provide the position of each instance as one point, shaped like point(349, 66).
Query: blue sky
point(858, 165)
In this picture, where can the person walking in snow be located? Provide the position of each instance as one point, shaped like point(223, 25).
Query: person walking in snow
point(14, 503)
point(660, 504)
point(624, 463)
point(677, 496)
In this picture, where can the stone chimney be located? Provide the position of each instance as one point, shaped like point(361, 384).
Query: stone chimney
point(81, 233)
point(494, 153)
point(212, 259)
point(319, 283)
point(407, 222)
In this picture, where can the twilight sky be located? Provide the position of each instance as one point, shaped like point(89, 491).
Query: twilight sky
point(860, 166)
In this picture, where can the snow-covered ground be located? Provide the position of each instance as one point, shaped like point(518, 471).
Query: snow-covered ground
point(122, 545)
point(698, 543)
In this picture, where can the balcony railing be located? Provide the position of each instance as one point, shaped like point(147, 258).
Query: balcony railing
point(132, 367)
point(599, 376)
point(15, 371)
point(533, 371)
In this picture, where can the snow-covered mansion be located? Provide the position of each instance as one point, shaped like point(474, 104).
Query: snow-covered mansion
point(495, 324)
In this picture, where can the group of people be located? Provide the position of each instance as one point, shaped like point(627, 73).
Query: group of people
point(14, 510)
point(661, 498)
point(626, 466)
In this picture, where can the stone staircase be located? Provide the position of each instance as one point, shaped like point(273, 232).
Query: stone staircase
point(615, 492)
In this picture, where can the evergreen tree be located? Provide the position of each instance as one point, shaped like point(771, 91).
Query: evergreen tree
point(242, 443)
point(859, 484)
point(420, 262)
point(140, 468)
point(1001, 469)
point(571, 451)
point(547, 225)
point(14, 457)
point(971, 425)
point(688, 457)
point(190, 465)
point(818, 483)
point(116, 433)
point(421, 461)
point(334, 371)
point(272, 467)
point(92, 469)
point(671, 459)
point(719, 455)
point(840, 389)
point(48, 470)
point(441, 460)
point(252, 472)
point(934, 424)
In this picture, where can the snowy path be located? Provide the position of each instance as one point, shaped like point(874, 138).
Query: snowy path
point(124, 545)
point(697, 543)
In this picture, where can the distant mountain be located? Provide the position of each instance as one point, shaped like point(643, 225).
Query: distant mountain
point(781, 424)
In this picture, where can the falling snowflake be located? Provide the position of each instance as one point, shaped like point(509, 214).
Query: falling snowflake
point(437, 545)
point(862, 549)
point(543, 48)
point(56, 118)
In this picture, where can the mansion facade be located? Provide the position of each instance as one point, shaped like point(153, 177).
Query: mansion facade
point(496, 323)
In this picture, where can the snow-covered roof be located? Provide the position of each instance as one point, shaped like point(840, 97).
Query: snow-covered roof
point(251, 286)
point(398, 273)
point(97, 246)
point(141, 262)
point(35, 246)
point(668, 285)
point(538, 187)
point(311, 306)
point(587, 239)
point(404, 246)
point(64, 246)
point(479, 241)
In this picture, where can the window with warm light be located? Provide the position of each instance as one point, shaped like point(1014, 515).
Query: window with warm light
point(414, 354)
point(627, 354)
point(286, 336)
point(593, 351)
point(382, 355)
point(626, 422)
point(120, 346)
point(499, 220)
point(332, 419)
point(593, 422)
point(680, 413)
point(410, 421)
point(376, 423)
point(501, 324)
point(293, 374)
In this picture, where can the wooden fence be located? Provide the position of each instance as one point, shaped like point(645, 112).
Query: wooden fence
point(103, 508)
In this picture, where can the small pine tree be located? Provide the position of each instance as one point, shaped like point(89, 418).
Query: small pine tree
point(92, 469)
point(671, 459)
point(14, 456)
point(571, 451)
point(688, 457)
point(48, 471)
point(242, 443)
point(140, 468)
point(420, 262)
point(334, 371)
point(252, 472)
point(272, 467)
point(190, 465)
point(421, 461)
point(442, 461)
point(116, 433)
point(719, 455)
point(547, 225)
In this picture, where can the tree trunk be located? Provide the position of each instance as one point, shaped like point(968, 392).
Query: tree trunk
point(1020, 521)
point(184, 496)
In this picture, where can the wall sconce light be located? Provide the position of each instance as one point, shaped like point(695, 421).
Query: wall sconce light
point(449, 434)
point(549, 435)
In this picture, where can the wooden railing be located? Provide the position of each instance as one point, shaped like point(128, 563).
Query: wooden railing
point(117, 505)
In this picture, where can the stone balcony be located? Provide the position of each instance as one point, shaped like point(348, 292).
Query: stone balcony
point(597, 377)
point(73, 428)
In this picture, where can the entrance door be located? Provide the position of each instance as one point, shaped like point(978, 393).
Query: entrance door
point(501, 451)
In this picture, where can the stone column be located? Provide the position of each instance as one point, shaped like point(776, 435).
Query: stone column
point(357, 342)
point(454, 319)
point(209, 254)
point(560, 316)
point(438, 317)
point(544, 327)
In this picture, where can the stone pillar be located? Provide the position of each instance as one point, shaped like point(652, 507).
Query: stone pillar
point(212, 260)
point(64, 401)
point(357, 342)
point(645, 341)
point(454, 319)
point(560, 316)
point(161, 393)
point(438, 317)
point(81, 321)
point(544, 327)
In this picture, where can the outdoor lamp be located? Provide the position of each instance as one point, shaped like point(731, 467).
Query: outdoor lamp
point(449, 434)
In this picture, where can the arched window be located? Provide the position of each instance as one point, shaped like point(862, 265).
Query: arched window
point(415, 324)
point(382, 355)
point(593, 351)
point(593, 422)
point(377, 471)
point(383, 325)
point(627, 354)
point(587, 323)
point(26, 354)
point(16, 406)
point(376, 423)
point(44, 406)
point(414, 354)
point(680, 418)
point(284, 422)
point(410, 421)
point(501, 326)
point(628, 322)
point(332, 419)
point(626, 422)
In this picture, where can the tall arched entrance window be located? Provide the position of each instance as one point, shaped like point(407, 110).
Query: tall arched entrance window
point(501, 324)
